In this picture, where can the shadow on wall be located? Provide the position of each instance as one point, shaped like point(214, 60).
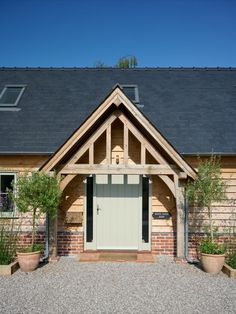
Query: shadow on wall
point(163, 201)
point(70, 215)
point(72, 203)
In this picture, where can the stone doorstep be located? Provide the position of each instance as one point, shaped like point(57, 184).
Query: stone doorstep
point(8, 270)
point(88, 257)
point(116, 257)
point(229, 271)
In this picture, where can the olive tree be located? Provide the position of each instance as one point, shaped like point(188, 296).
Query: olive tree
point(208, 188)
point(38, 193)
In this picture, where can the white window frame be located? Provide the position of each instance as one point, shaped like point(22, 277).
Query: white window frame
point(8, 214)
point(18, 98)
point(136, 92)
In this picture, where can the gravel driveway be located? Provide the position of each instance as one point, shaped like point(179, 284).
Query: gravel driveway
point(72, 287)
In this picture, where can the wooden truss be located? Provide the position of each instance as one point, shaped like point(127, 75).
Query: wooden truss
point(164, 170)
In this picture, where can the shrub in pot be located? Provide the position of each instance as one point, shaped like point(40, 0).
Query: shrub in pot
point(212, 256)
point(37, 193)
point(207, 189)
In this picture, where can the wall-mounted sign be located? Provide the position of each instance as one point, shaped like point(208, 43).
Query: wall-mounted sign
point(160, 215)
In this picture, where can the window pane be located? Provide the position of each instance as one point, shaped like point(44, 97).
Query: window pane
point(6, 205)
point(145, 210)
point(6, 182)
point(89, 227)
point(10, 95)
point(130, 92)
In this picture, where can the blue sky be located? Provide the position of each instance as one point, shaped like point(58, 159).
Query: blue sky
point(81, 32)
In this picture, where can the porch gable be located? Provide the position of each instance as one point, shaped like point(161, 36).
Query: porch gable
point(117, 99)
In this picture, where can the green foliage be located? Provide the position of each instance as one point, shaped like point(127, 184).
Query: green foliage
point(208, 246)
point(100, 64)
point(34, 248)
point(127, 62)
point(209, 187)
point(231, 260)
point(37, 193)
point(123, 63)
point(9, 234)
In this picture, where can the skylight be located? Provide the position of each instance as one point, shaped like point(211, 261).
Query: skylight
point(11, 95)
point(131, 91)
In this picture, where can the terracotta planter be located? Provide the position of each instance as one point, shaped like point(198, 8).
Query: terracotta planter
point(28, 261)
point(212, 263)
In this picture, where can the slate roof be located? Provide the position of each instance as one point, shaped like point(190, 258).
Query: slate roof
point(194, 108)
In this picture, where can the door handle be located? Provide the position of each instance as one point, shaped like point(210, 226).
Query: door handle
point(98, 209)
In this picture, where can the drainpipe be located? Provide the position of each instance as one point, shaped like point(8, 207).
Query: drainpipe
point(186, 232)
point(46, 251)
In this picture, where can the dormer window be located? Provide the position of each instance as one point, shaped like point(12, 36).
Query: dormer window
point(11, 95)
point(131, 91)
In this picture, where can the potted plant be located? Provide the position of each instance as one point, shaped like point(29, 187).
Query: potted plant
point(207, 189)
point(37, 194)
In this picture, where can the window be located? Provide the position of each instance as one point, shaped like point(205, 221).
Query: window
point(131, 91)
point(6, 182)
point(11, 95)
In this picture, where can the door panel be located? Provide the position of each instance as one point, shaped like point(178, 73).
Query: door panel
point(117, 215)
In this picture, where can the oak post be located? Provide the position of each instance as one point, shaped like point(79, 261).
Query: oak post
point(126, 144)
point(52, 221)
point(108, 144)
point(180, 217)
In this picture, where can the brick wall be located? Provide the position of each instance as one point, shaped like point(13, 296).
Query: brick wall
point(164, 243)
point(195, 239)
point(25, 238)
point(70, 242)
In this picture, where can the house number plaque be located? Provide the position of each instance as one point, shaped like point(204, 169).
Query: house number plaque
point(160, 215)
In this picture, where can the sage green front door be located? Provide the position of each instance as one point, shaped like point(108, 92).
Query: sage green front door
point(118, 209)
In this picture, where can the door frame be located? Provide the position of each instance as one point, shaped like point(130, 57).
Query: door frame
point(93, 245)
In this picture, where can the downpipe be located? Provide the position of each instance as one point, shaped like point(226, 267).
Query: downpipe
point(46, 251)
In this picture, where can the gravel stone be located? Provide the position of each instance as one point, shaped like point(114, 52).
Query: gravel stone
point(72, 287)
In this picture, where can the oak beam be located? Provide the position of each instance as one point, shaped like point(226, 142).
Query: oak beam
point(108, 144)
point(170, 183)
point(141, 138)
point(126, 144)
point(143, 154)
point(91, 154)
point(115, 169)
point(66, 181)
point(92, 139)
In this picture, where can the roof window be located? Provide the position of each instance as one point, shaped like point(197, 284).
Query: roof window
point(11, 95)
point(131, 91)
